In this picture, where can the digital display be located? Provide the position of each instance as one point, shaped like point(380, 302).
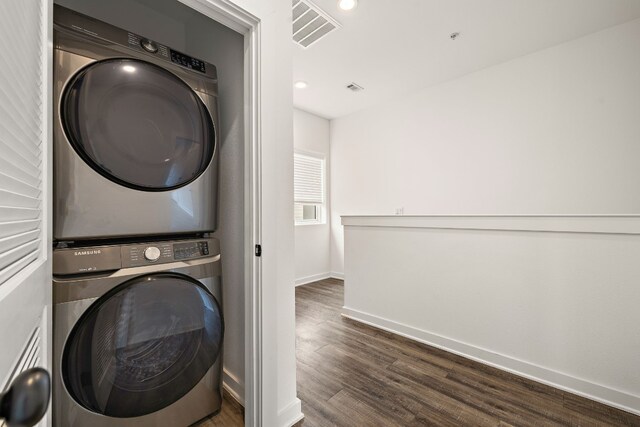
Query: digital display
point(190, 250)
point(187, 61)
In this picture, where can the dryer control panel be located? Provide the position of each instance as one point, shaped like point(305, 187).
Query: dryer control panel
point(105, 34)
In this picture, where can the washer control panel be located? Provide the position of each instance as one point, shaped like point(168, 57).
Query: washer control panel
point(144, 254)
point(190, 250)
point(95, 259)
point(154, 253)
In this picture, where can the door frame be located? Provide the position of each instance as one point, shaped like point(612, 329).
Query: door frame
point(245, 23)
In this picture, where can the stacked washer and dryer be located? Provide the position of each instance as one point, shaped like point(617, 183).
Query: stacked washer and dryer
point(138, 325)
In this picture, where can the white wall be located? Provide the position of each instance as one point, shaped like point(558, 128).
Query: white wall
point(280, 406)
point(313, 261)
point(552, 132)
point(554, 299)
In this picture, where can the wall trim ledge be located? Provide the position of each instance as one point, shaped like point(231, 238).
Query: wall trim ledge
point(593, 391)
point(590, 224)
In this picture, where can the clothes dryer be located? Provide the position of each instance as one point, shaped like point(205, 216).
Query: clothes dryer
point(135, 135)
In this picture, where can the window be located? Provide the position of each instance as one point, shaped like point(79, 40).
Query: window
point(308, 180)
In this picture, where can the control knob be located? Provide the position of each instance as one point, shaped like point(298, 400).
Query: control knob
point(148, 45)
point(152, 253)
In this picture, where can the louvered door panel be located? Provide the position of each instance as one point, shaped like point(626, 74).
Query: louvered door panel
point(19, 167)
point(25, 128)
point(21, 134)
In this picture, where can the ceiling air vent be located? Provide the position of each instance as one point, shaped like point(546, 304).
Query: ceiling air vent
point(310, 23)
point(355, 87)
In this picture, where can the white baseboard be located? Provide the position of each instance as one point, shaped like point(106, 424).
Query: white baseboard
point(593, 391)
point(233, 385)
point(291, 414)
point(310, 279)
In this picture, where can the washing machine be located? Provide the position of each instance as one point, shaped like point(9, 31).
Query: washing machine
point(135, 134)
point(138, 331)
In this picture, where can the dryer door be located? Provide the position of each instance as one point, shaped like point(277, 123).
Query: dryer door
point(143, 345)
point(137, 124)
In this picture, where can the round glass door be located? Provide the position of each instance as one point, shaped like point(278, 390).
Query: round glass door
point(143, 346)
point(137, 124)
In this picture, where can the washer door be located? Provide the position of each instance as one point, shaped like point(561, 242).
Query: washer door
point(137, 124)
point(143, 345)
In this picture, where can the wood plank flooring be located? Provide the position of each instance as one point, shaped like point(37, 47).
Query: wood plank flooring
point(231, 414)
point(350, 374)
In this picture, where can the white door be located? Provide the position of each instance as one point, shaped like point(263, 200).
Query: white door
point(25, 108)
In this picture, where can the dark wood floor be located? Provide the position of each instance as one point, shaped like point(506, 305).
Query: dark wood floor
point(350, 374)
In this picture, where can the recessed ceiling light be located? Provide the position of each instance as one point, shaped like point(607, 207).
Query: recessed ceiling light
point(347, 4)
point(300, 85)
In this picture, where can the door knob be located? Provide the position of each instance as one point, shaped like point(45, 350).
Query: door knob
point(27, 399)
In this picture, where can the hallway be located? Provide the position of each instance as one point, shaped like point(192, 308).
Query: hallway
point(350, 374)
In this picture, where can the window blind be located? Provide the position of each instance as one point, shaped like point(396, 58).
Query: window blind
point(308, 179)
point(21, 134)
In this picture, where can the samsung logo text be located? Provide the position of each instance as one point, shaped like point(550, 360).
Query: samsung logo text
point(92, 252)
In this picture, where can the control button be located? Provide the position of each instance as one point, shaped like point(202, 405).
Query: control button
point(152, 253)
point(148, 45)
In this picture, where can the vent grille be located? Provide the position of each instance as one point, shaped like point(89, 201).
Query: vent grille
point(310, 23)
point(30, 358)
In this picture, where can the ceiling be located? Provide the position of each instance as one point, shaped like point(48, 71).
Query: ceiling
point(393, 47)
